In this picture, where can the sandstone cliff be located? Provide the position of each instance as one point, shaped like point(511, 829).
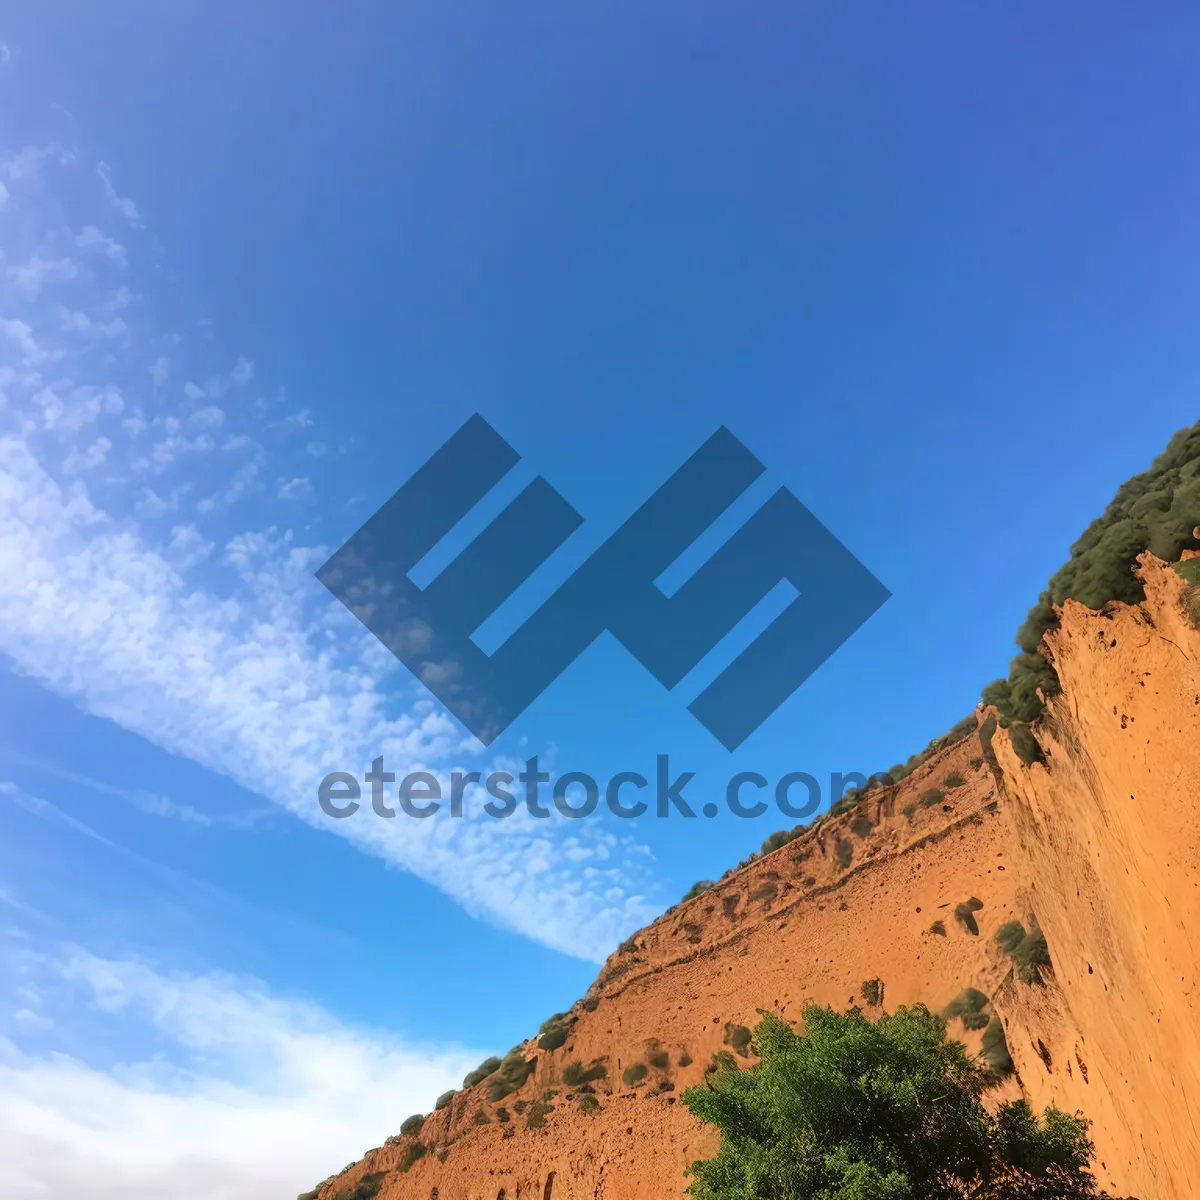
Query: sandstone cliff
point(1100, 843)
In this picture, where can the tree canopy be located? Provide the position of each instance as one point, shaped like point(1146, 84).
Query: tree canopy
point(889, 1110)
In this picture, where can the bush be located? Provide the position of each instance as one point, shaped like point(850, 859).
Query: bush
point(411, 1153)
point(575, 1073)
point(781, 837)
point(995, 1050)
point(964, 914)
point(587, 1102)
point(766, 891)
point(412, 1124)
point(968, 1007)
point(656, 1056)
point(537, 1114)
point(634, 1074)
point(502, 1116)
point(909, 811)
point(481, 1072)
point(872, 992)
point(629, 946)
point(953, 781)
point(685, 1059)
point(844, 852)
point(938, 927)
point(554, 1031)
point(721, 1061)
point(1027, 949)
point(739, 1037)
point(931, 796)
point(514, 1069)
point(698, 888)
point(1025, 745)
point(481, 1118)
point(444, 1099)
point(861, 825)
point(590, 1003)
point(844, 1110)
point(1154, 511)
point(365, 1189)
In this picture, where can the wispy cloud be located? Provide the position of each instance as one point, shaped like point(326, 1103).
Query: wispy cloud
point(217, 644)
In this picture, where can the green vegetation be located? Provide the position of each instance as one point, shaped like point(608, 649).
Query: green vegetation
point(444, 1099)
point(685, 1059)
point(512, 1072)
point(629, 946)
point(872, 992)
point(931, 796)
point(537, 1114)
point(502, 1116)
point(890, 1110)
point(738, 1037)
point(656, 1056)
point(634, 1074)
point(575, 1073)
point(365, 1189)
point(844, 852)
point(909, 811)
point(781, 837)
point(1190, 570)
point(412, 1124)
point(587, 1102)
point(861, 825)
point(968, 1007)
point(721, 1061)
point(590, 1003)
point(964, 914)
point(995, 1050)
point(481, 1118)
point(481, 1072)
point(953, 781)
point(1154, 511)
point(697, 889)
point(554, 1031)
point(765, 891)
point(1027, 949)
point(411, 1153)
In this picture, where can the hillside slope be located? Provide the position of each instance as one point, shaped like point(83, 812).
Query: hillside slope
point(1100, 842)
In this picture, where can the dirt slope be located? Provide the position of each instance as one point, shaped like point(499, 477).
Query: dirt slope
point(1100, 842)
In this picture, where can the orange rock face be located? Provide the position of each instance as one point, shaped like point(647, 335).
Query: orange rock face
point(1101, 843)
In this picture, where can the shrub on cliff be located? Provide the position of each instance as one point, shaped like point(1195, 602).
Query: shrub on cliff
point(890, 1110)
point(412, 1124)
point(481, 1072)
point(697, 889)
point(575, 1073)
point(510, 1075)
point(553, 1031)
point(1154, 511)
point(444, 1099)
point(367, 1188)
point(1027, 949)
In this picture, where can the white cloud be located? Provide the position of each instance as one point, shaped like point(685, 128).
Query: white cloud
point(249, 688)
point(243, 663)
point(38, 271)
point(193, 391)
point(93, 456)
point(293, 489)
point(208, 417)
point(248, 1096)
point(3, 196)
point(125, 207)
point(90, 238)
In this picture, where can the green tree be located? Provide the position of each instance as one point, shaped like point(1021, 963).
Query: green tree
point(890, 1110)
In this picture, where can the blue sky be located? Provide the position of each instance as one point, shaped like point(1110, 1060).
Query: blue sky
point(936, 270)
